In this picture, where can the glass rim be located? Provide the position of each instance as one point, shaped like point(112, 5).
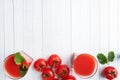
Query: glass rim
point(93, 73)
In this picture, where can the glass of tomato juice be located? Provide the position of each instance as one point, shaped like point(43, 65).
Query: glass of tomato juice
point(16, 65)
point(85, 65)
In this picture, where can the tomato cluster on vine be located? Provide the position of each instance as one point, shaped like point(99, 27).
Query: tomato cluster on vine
point(53, 69)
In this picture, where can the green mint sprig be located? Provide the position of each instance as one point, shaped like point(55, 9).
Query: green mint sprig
point(103, 59)
point(18, 58)
point(111, 56)
point(22, 72)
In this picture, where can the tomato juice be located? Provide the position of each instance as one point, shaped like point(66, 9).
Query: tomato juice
point(85, 65)
point(12, 69)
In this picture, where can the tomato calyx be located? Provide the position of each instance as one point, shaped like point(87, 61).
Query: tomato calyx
point(24, 66)
point(46, 75)
point(112, 73)
point(63, 72)
point(41, 66)
point(54, 63)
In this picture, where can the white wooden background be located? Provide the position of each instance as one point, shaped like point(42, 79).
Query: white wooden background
point(43, 27)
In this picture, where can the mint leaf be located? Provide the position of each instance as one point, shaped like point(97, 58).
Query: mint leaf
point(18, 58)
point(102, 58)
point(111, 56)
point(22, 72)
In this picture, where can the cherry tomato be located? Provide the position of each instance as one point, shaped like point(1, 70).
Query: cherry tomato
point(24, 65)
point(63, 71)
point(40, 64)
point(69, 77)
point(48, 74)
point(110, 72)
point(54, 60)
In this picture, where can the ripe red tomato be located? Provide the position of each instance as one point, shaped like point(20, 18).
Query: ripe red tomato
point(110, 72)
point(54, 60)
point(69, 77)
point(55, 79)
point(24, 65)
point(63, 71)
point(48, 74)
point(40, 64)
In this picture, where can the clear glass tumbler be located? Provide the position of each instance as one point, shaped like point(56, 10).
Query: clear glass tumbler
point(16, 65)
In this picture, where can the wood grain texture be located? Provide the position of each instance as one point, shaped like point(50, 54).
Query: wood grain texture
point(43, 27)
point(80, 27)
point(2, 40)
point(8, 28)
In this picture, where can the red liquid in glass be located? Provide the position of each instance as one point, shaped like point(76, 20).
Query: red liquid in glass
point(84, 65)
point(11, 68)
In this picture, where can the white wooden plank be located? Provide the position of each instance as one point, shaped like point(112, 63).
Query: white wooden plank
point(18, 24)
point(37, 27)
point(80, 20)
point(37, 33)
point(113, 24)
point(103, 32)
point(94, 25)
point(9, 36)
point(28, 27)
point(28, 33)
point(80, 27)
point(2, 54)
point(104, 26)
point(113, 30)
point(56, 29)
point(118, 32)
point(94, 31)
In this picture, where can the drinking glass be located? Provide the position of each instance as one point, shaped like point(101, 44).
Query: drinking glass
point(17, 71)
